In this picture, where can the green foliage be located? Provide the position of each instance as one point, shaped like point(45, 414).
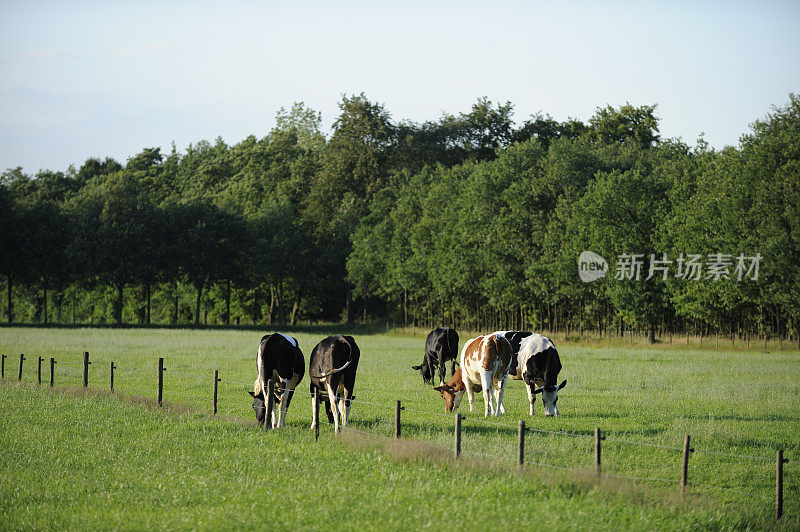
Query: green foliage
point(464, 219)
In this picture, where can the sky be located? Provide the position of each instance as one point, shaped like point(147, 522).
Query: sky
point(94, 79)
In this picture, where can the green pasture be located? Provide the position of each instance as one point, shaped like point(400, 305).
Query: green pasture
point(99, 461)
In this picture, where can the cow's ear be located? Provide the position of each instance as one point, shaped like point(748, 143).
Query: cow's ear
point(538, 390)
point(440, 388)
point(562, 384)
point(252, 394)
point(416, 368)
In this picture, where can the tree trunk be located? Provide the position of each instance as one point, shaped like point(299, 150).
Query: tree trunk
point(10, 302)
point(271, 303)
point(281, 310)
point(295, 308)
point(148, 293)
point(405, 303)
point(348, 307)
point(174, 319)
point(118, 304)
point(199, 288)
point(651, 334)
point(255, 305)
point(44, 306)
point(227, 302)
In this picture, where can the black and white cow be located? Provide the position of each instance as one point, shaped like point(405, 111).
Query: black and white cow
point(279, 358)
point(515, 339)
point(440, 346)
point(332, 370)
point(538, 365)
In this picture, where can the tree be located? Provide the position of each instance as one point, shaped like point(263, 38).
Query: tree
point(637, 124)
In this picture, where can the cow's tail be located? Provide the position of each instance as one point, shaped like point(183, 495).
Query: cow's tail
point(453, 354)
point(337, 370)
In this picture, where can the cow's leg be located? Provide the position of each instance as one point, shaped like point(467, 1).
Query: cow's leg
point(314, 405)
point(488, 396)
point(531, 397)
point(288, 386)
point(442, 370)
point(469, 390)
point(501, 409)
point(453, 367)
point(344, 405)
point(332, 399)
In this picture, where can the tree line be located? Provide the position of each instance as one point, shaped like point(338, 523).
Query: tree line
point(469, 220)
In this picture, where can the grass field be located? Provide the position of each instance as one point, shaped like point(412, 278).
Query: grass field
point(100, 461)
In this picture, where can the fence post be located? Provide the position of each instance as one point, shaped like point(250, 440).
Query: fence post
point(216, 380)
point(397, 409)
point(597, 439)
point(21, 358)
point(779, 484)
point(269, 404)
point(457, 435)
point(315, 413)
point(39, 371)
point(521, 444)
point(52, 367)
point(685, 464)
point(160, 380)
point(86, 369)
point(112, 376)
point(3, 368)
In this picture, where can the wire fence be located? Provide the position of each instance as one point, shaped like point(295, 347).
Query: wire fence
point(71, 373)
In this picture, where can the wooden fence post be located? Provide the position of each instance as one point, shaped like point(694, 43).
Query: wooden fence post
point(86, 369)
point(21, 358)
point(521, 444)
point(779, 484)
point(269, 403)
point(160, 380)
point(216, 381)
point(597, 440)
point(685, 464)
point(112, 376)
point(52, 368)
point(315, 413)
point(39, 371)
point(397, 409)
point(3, 368)
point(457, 436)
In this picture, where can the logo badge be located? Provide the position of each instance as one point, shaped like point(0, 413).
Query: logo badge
point(591, 266)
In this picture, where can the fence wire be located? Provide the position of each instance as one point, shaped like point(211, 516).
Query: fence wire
point(70, 374)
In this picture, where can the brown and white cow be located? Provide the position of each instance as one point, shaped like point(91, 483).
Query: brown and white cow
point(484, 367)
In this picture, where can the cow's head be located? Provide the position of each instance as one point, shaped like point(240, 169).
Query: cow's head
point(259, 406)
point(550, 397)
point(425, 370)
point(452, 398)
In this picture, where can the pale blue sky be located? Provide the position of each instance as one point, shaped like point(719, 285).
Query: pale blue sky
point(81, 79)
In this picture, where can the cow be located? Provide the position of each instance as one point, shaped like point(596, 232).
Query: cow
point(440, 346)
point(538, 365)
point(279, 358)
point(515, 339)
point(332, 369)
point(484, 367)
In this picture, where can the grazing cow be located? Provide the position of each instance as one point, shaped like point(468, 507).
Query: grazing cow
point(332, 368)
point(280, 359)
point(484, 367)
point(515, 339)
point(538, 365)
point(440, 346)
